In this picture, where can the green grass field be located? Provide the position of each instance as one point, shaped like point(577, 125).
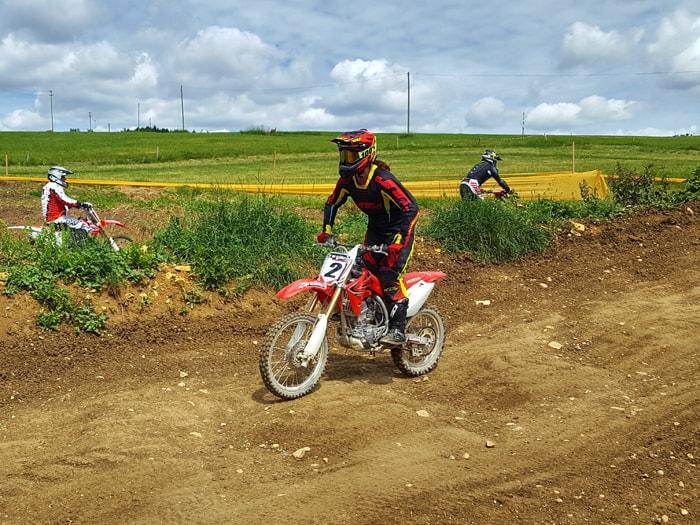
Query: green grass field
point(307, 157)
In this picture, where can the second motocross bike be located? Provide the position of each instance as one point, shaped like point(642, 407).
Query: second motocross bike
point(98, 227)
point(347, 295)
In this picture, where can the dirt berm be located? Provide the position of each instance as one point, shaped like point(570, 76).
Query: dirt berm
point(581, 375)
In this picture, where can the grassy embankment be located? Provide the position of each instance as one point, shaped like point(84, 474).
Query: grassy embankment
point(258, 239)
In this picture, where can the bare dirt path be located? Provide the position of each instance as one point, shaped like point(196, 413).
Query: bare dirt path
point(165, 420)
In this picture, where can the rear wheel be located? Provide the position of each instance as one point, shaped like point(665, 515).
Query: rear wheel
point(425, 340)
point(280, 367)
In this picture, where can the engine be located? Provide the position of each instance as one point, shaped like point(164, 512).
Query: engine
point(365, 330)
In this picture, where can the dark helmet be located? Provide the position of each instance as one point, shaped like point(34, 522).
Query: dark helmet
point(357, 149)
point(491, 156)
point(58, 174)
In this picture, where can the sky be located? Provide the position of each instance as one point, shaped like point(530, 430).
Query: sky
point(593, 67)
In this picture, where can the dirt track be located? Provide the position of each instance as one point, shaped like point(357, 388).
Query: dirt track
point(603, 430)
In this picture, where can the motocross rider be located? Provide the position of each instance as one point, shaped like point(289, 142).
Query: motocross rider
point(470, 187)
point(55, 203)
point(392, 212)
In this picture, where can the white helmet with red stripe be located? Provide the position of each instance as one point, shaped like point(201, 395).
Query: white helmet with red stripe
point(58, 174)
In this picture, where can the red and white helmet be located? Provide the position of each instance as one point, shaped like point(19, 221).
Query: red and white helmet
point(357, 149)
point(58, 174)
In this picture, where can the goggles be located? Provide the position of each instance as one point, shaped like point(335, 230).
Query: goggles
point(350, 156)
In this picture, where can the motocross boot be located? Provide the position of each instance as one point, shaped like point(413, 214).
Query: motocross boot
point(397, 325)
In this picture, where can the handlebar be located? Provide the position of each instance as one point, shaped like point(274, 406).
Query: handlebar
point(376, 248)
point(332, 242)
point(500, 194)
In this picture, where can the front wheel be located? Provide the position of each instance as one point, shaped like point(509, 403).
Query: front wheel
point(425, 339)
point(280, 367)
point(121, 242)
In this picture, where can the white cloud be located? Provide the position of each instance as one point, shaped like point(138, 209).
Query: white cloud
point(486, 112)
point(224, 53)
point(376, 90)
point(25, 62)
point(145, 73)
point(20, 119)
point(592, 109)
point(49, 20)
point(372, 84)
point(559, 114)
point(597, 108)
point(584, 43)
point(677, 49)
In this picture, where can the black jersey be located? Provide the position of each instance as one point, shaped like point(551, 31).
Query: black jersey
point(483, 171)
point(390, 207)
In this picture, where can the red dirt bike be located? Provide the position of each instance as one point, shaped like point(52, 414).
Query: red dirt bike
point(295, 350)
point(98, 227)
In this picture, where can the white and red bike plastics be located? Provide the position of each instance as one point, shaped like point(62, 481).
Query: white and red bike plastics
point(98, 227)
point(346, 294)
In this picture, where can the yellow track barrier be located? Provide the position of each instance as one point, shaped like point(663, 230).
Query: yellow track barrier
point(555, 186)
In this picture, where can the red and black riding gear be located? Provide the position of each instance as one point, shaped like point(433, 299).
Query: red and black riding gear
point(392, 212)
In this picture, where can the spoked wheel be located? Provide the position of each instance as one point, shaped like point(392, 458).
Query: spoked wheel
point(425, 340)
point(280, 367)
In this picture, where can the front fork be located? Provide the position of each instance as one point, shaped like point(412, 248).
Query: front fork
point(318, 334)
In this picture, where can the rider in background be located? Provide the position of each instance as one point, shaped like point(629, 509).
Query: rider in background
point(392, 212)
point(55, 203)
point(470, 187)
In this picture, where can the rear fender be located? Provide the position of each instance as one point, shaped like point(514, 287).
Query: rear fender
point(413, 278)
point(303, 285)
point(112, 222)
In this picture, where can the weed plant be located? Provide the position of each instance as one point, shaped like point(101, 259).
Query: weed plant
point(550, 212)
point(57, 304)
point(633, 188)
point(492, 231)
point(245, 237)
point(691, 187)
point(39, 267)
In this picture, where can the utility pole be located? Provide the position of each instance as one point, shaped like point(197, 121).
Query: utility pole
point(408, 107)
point(523, 123)
point(138, 115)
point(51, 98)
point(182, 107)
point(90, 117)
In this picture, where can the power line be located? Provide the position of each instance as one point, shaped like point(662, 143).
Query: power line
point(562, 75)
point(296, 88)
